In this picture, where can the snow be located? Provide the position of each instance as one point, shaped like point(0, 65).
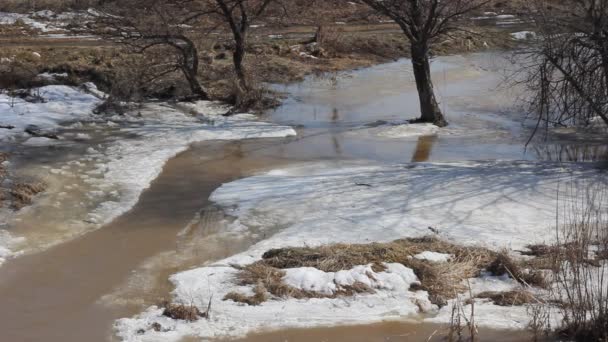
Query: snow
point(408, 130)
point(494, 316)
point(52, 76)
point(230, 319)
point(433, 256)
point(497, 204)
point(6, 242)
point(121, 168)
point(523, 35)
point(61, 104)
point(45, 21)
point(397, 276)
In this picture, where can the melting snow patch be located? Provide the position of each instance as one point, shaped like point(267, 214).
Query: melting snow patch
point(397, 277)
point(523, 35)
point(392, 300)
point(497, 203)
point(60, 104)
point(407, 130)
point(433, 256)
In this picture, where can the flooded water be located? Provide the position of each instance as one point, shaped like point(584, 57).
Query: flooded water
point(73, 291)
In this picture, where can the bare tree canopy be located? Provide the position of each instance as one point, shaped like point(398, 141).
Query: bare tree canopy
point(148, 24)
point(567, 71)
point(239, 16)
point(422, 22)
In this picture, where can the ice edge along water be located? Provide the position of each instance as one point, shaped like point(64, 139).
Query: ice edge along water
point(122, 168)
point(497, 204)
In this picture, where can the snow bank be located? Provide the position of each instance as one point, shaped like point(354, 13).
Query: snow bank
point(393, 300)
point(496, 204)
point(61, 104)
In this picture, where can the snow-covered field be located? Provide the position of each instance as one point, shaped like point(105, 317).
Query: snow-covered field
point(493, 204)
point(114, 171)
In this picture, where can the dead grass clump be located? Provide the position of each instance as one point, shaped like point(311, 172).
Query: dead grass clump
point(509, 298)
point(541, 250)
point(182, 312)
point(504, 264)
point(23, 193)
point(333, 258)
point(259, 296)
point(442, 280)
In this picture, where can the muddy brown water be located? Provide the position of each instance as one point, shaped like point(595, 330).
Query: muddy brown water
point(54, 295)
point(75, 290)
point(382, 332)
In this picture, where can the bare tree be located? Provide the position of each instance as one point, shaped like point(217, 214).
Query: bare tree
point(239, 16)
point(423, 22)
point(148, 24)
point(567, 70)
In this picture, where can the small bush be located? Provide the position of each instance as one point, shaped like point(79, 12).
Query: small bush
point(182, 312)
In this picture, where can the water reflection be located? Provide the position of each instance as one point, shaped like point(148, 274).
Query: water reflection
point(577, 152)
point(424, 146)
point(335, 115)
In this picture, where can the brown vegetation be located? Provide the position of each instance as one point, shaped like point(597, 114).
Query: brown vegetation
point(441, 280)
point(182, 312)
point(504, 264)
point(260, 296)
point(578, 267)
point(16, 195)
point(23, 193)
point(509, 298)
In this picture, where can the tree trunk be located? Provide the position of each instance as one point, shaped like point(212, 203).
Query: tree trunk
point(238, 58)
point(190, 65)
point(195, 86)
point(429, 109)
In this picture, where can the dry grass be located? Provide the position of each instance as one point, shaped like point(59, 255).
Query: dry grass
point(441, 280)
point(509, 298)
point(182, 312)
point(504, 264)
point(23, 193)
point(259, 296)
